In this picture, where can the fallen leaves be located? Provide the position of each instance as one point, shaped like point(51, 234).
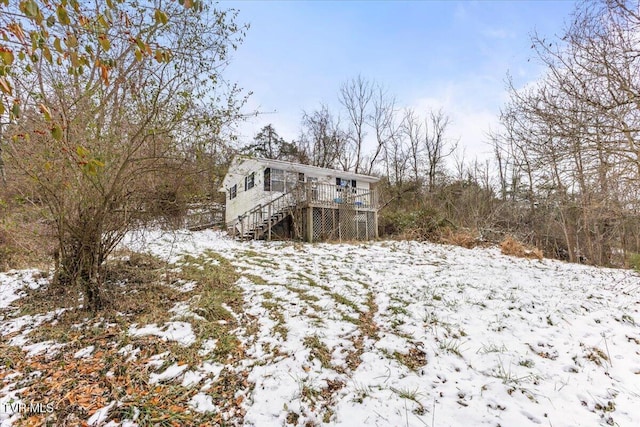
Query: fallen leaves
point(78, 387)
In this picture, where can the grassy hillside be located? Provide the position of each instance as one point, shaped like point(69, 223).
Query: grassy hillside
point(216, 332)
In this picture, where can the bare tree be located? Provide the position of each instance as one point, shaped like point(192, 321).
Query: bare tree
point(384, 123)
point(356, 97)
point(412, 130)
point(322, 142)
point(397, 158)
point(437, 146)
point(576, 130)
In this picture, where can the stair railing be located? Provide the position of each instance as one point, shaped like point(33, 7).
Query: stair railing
point(249, 222)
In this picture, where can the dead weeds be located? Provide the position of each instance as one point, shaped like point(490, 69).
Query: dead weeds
point(459, 237)
point(513, 247)
point(414, 359)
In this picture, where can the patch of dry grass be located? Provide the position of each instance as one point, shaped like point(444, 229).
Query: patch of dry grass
point(460, 237)
point(414, 359)
point(513, 247)
point(318, 351)
point(138, 286)
point(25, 240)
point(78, 387)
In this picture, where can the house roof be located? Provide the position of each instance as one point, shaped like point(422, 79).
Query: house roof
point(291, 167)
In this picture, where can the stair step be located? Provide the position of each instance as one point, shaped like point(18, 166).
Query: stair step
point(258, 229)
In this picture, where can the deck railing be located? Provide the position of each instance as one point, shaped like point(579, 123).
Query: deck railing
point(334, 196)
point(304, 194)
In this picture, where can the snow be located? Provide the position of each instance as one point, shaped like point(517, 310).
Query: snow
point(8, 402)
point(129, 351)
point(171, 373)
point(202, 403)
point(25, 324)
point(399, 334)
point(191, 378)
point(181, 332)
point(84, 353)
point(183, 310)
point(506, 341)
point(208, 346)
point(157, 360)
point(172, 245)
point(50, 348)
point(100, 416)
point(14, 282)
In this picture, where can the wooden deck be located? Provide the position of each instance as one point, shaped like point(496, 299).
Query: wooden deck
point(307, 200)
point(311, 194)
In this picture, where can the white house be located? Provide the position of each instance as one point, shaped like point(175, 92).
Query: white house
point(268, 198)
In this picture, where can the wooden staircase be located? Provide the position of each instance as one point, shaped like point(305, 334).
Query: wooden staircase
point(258, 222)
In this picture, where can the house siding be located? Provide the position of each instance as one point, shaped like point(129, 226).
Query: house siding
point(247, 199)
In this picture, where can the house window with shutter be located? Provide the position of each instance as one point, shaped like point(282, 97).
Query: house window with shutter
point(267, 179)
point(249, 181)
point(274, 180)
point(277, 180)
point(233, 191)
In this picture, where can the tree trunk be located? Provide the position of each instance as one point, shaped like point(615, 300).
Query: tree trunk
point(80, 260)
point(90, 278)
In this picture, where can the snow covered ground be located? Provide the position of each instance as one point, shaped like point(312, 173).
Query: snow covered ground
point(399, 334)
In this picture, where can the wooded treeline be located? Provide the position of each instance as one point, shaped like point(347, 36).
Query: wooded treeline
point(569, 149)
point(566, 167)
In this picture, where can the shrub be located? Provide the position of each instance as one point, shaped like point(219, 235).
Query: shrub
point(25, 238)
point(419, 224)
point(513, 247)
point(633, 261)
point(460, 237)
point(6, 251)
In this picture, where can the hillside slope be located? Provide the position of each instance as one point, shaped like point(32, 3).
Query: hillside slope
point(388, 334)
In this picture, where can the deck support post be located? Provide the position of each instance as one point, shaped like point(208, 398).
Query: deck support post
point(375, 224)
point(269, 223)
point(310, 224)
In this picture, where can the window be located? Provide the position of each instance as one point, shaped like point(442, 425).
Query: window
point(346, 183)
point(300, 177)
point(274, 180)
point(277, 180)
point(291, 180)
point(342, 183)
point(267, 179)
point(314, 187)
point(233, 191)
point(249, 181)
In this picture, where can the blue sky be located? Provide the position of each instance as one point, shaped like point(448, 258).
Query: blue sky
point(453, 55)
